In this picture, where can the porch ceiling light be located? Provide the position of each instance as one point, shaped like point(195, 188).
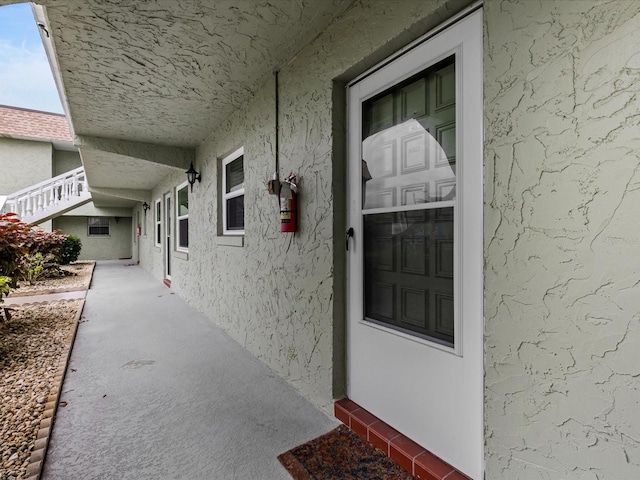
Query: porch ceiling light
point(192, 176)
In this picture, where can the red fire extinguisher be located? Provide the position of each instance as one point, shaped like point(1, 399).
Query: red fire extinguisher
point(289, 205)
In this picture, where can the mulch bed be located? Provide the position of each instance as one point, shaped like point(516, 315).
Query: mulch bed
point(340, 455)
point(33, 345)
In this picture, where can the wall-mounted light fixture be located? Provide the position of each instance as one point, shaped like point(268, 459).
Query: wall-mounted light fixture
point(146, 206)
point(192, 176)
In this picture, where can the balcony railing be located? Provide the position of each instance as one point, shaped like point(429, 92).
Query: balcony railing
point(50, 198)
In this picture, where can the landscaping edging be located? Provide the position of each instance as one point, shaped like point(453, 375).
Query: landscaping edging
point(51, 291)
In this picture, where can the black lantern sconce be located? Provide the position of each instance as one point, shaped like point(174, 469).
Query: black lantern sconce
point(145, 207)
point(192, 176)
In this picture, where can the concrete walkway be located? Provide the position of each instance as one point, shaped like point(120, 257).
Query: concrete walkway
point(155, 391)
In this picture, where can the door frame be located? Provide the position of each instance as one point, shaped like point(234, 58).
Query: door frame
point(167, 233)
point(464, 38)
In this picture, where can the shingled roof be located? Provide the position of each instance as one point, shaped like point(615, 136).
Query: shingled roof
point(25, 123)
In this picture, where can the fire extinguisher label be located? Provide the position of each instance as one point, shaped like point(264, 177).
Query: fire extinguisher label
point(285, 216)
point(285, 210)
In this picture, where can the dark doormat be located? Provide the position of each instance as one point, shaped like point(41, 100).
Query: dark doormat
point(340, 455)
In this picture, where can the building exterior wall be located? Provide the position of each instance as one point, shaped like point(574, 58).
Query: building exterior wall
point(65, 161)
point(24, 163)
point(562, 178)
point(152, 257)
point(561, 237)
point(278, 294)
point(116, 245)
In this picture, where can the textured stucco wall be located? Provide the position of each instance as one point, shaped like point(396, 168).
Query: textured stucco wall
point(153, 258)
point(64, 161)
point(562, 241)
point(90, 210)
point(276, 294)
point(117, 245)
point(23, 163)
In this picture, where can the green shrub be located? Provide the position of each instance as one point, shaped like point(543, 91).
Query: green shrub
point(70, 250)
point(5, 286)
point(40, 266)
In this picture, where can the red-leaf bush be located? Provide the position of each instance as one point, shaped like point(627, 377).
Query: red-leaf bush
point(17, 240)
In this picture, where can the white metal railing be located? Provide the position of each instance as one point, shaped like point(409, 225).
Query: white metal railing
point(38, 199)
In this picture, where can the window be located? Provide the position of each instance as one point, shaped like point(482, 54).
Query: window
point(158, 221)
point(182, 217)
point(233, 193)
point(98, 226)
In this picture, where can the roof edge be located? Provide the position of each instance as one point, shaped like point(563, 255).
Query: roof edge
point(33, 110)
point(41, 18)
point(57, 143)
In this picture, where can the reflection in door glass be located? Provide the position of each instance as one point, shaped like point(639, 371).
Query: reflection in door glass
point(409, 141)
point(408, 269)
point(405, 165)
point(409, 159)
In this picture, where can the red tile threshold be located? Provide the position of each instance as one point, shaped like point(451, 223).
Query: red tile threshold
point(415, 459)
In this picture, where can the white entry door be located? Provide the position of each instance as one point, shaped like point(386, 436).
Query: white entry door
point(415, 319)
point(167, 235)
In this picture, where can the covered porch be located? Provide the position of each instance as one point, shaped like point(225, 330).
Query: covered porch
point(155, 390)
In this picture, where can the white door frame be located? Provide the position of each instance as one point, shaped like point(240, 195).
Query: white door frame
point(432, 393)
point(167, 235)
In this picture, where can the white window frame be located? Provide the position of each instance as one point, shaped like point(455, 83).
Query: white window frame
point(227, 196)
point(157, 219)
point(184, 185)
point(89, 234)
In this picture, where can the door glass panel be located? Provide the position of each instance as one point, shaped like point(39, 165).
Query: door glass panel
point(409, 146)
point(408, 269)
point(408, 162)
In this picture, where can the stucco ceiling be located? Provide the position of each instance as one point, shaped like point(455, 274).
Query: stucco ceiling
point(167, 72)
point(138, 174)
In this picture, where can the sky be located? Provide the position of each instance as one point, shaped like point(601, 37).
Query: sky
point(25, 76)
